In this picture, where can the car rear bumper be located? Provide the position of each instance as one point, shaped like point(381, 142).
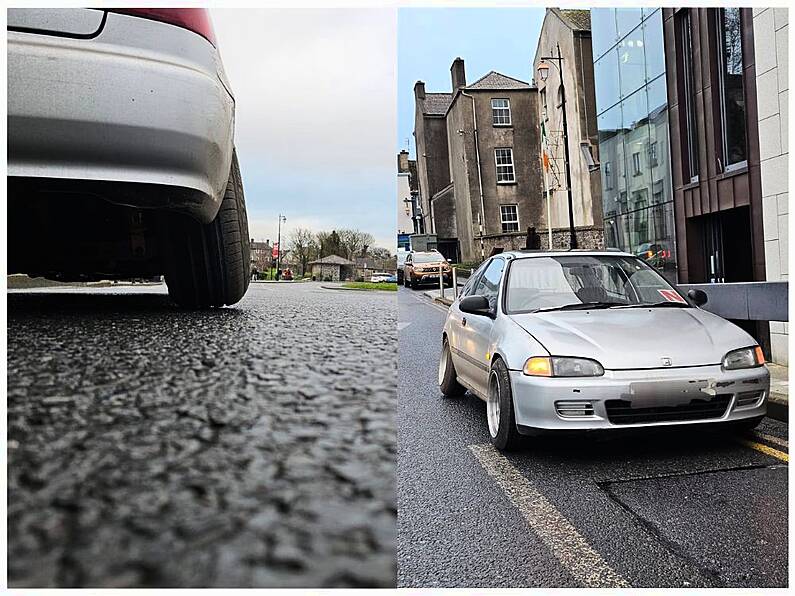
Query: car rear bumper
point(141, 103)
point(613, 402)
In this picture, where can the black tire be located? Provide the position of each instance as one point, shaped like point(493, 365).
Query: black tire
point(507, 437)
point(413, 283)
point(448, 381)
point(209, 265)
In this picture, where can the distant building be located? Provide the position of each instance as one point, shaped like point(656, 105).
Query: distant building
point(261, 254)
point(570, 32)
point(408, 220)
point(332, 268)
point(487, 190)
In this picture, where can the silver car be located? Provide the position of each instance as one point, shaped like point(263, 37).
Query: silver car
point(584, 340)
point(121, 159)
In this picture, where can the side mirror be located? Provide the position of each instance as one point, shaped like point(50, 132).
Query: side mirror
point(699, 297)
point(475, 305)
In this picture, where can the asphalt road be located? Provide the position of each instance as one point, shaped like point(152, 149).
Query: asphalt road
point(246, 446)
point(666, 510)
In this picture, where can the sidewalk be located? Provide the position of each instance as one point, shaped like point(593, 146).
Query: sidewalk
point(434, 294)
point(778, 403)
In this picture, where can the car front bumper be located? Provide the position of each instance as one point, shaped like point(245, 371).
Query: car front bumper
point(141, 103)
point(547, 404)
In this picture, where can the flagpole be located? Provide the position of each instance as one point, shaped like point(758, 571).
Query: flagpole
point(549, 215)
point(545, 167)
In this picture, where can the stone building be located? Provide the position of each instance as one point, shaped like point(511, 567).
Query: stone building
point(408, 221)
point(479, 167)
point(569, 32)
point(261, 255)
point(332, 268)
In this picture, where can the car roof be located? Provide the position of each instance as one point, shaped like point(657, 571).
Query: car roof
point(524, 254)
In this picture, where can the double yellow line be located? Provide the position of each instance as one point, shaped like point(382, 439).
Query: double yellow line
point(767, 450)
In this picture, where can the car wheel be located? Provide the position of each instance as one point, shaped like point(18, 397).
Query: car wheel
point(413, 283)
point(448, 381)
point(209, 265)
point(499, 409)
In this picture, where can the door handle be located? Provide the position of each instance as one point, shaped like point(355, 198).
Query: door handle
point(464, 322)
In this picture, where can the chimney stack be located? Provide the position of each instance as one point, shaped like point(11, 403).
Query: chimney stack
point(419, 90)
point(457, 74)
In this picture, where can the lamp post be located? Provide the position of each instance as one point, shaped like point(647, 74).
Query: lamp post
point(279, 249)
point(543, 74)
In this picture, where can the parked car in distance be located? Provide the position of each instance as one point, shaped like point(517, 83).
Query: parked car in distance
point(121, 156)
point(424, 267)
point(380, 277)
point(656, 255)
point(595, 340)
point(401, 261)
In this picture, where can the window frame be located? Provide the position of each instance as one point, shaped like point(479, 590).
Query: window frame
point(689, 119)
point(495, 110)
point(503, 222)
point(720, 40)
point(512, 165)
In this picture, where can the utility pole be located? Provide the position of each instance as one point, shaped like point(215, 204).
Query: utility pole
point(543, 72)
point(279, 248)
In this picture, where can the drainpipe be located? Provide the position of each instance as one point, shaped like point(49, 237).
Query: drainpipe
point(480, 179)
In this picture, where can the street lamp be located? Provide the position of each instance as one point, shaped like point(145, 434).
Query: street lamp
point(279, 249)
point(543, 74)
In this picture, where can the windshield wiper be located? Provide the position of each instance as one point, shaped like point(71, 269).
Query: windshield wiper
point(581, 306)
point(658, 305)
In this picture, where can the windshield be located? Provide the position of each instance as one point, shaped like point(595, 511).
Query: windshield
point(426, 257)
point(551, 283)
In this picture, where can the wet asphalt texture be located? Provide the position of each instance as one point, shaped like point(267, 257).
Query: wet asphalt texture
point(246, 446)
point(692, 509)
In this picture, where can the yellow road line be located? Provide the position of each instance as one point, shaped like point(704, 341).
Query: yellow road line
point(560, 536)
point(766, 450)
point(771, 439)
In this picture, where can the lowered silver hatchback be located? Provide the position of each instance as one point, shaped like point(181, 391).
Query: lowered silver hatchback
point(592, 341)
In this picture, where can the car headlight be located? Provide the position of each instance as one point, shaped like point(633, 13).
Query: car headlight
point(562, 366)
point(744, 358)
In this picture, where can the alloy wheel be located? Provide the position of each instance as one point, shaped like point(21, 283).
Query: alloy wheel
point(493, 404)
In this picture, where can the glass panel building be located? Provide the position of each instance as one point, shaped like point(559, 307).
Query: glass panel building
point(632, 116)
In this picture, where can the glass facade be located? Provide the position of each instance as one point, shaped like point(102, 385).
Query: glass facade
point(632, 116)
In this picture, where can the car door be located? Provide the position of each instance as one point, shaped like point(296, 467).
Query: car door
point(476, 330)
point(455, 320)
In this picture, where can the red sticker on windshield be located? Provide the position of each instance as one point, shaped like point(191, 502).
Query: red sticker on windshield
point(672, 296)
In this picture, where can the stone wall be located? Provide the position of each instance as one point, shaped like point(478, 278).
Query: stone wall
point(587, 237)
point(325, 272)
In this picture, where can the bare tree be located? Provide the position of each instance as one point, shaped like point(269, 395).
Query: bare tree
point(354, 242)
point(303, 246)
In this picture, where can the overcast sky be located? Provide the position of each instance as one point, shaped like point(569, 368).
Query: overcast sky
point(315, 116)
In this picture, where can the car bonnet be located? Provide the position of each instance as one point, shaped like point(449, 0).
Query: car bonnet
point(632, 338)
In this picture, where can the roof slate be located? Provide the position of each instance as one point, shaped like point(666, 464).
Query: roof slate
point(580, 20)
point(332, 260)
point(496, 80)
point(436, 104)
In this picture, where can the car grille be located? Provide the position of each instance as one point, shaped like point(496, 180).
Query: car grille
point(619, 411)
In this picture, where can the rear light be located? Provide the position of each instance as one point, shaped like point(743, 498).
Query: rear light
point(192, 19)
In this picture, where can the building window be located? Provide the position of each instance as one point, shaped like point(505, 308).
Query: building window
point(504, 159)
point(636, 170)
point(690, 138)
point(608, 175)
point(509, 214)
point(653, 153)
point(501, 112)
point(732, 94)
